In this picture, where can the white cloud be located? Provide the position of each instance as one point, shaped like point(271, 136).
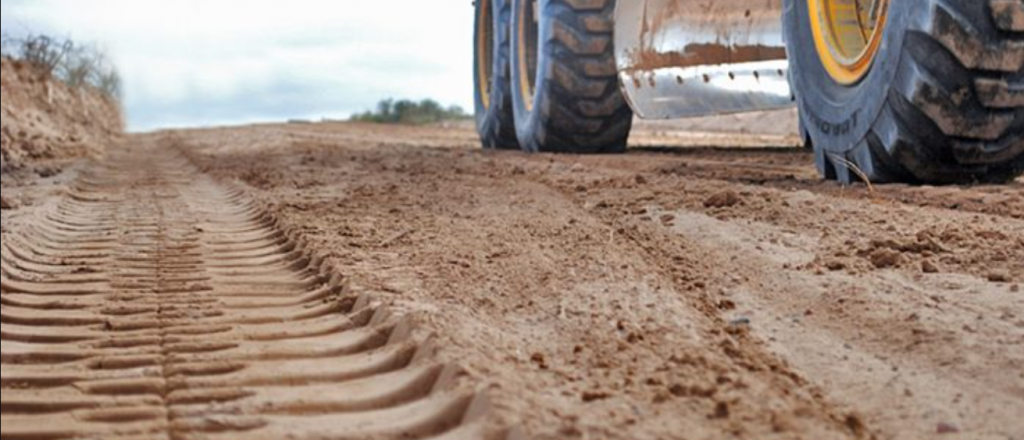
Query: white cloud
point(237, 55)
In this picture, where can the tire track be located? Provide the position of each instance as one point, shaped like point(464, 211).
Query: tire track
point(154, 303)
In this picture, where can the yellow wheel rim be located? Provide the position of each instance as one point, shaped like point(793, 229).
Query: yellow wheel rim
point(485, 52)
point(848, 35)
point(529, 36)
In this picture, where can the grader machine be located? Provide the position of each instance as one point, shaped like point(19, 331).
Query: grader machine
point(916, 91)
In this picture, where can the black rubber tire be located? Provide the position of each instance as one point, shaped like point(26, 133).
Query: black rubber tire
point(495, 121)
point(578, 106)
point(942, 104)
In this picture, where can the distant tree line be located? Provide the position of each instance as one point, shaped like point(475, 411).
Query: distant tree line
point(427, 111)
point(74, 64)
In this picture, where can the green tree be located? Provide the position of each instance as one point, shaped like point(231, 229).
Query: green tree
point(427, 111)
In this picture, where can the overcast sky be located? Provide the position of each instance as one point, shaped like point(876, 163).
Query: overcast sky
point(212, 62)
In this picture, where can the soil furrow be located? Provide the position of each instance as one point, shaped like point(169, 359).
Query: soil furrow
point(153, 302)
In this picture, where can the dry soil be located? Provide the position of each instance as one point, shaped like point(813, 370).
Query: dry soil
point(691, 289)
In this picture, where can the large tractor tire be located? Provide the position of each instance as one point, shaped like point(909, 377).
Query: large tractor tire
point(494, 118)
point(910, 91)
point(565, 89)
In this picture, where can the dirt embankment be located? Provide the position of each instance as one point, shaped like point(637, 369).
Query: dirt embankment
point(45, 119)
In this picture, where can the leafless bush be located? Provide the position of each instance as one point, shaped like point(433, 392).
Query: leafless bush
point(76, 65)
point(109, 82)
point(7, 45)
point(79, 64)
point(44, 52)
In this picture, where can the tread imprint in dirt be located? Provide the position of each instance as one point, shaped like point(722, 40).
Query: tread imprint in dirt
point(154, 303)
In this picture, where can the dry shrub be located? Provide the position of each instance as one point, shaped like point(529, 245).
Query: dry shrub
point(76, 65)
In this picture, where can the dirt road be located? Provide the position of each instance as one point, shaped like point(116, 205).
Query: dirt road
point(293, 281)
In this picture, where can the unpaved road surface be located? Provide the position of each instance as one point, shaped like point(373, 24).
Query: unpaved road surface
point(353, 281)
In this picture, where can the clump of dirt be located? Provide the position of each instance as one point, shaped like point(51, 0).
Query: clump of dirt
point(884, 258)
point(44, 118)
point(724, 199)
